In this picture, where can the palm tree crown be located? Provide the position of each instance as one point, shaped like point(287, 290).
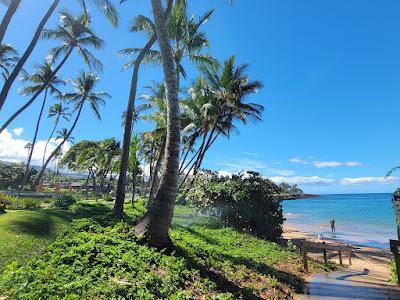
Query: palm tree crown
point(8, 60)
point(74, 33)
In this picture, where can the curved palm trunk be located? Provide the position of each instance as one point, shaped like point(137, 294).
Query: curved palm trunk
point(28, 163)
point(155, 224)
point(10, 80)
point(120, 197)
point(12, 8)
point(27, 104)
point(154, 179)
point(40, 175)
point(48, 141)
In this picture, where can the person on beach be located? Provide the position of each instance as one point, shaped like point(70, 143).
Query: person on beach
point(332, 222)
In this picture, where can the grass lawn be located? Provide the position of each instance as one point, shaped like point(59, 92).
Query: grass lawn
point(24, 234)
point(98, 258)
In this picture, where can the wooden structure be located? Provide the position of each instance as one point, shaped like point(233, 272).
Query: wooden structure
point(396, 204)
point(306, 246)
point(394, 247)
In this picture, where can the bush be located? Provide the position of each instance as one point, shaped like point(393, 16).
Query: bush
point(245, 201)
point(64, 201)
point(11, 202)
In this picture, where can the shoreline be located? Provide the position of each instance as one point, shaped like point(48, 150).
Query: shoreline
point(296, 197)
point(376, 260)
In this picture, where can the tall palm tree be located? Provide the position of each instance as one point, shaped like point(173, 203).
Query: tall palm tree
point(61, 135)
point(42, 76)
point(103, 5)
point(74, 34)
point(84, 86)
point(12, 8)
point(140, 24)
point(155, 224)
point(57, 111)
point(8, 58)
point(230, 86)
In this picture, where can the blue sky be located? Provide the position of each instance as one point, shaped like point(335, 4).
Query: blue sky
point(331, 96)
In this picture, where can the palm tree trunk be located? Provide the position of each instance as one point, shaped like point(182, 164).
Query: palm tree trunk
point(28, 163)
point(27, 104)
point(39, 177)
point(12, 8)
point(133, 186)
point(155, 224)
point(48, 141)
point(120, 197)
point(10, 80)
point(154, 179)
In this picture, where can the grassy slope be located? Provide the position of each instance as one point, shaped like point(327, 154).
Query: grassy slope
point(209, 259)
point(26, 233)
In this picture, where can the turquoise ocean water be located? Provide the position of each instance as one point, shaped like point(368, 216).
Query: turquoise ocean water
point(361, 219)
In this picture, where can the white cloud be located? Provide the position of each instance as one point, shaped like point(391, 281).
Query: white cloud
point(253, 154)
point(13, 149)
point(18, 131)
point(333, 164)
point(369, 180)
point(303, 180)
point(299, 161)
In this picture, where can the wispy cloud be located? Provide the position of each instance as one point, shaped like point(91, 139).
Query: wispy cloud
point(303, 180)
point(325, 164)
point(299, 161)
point(252, 154)
point(369, 180)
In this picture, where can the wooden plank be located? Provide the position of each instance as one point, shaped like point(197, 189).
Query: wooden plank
point(349, 258)
point(326, 246)
point(340, 258)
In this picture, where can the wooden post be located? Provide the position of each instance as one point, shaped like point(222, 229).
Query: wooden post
point(340, 258)
point(305, 263)
point(394, 247)
point(325, 257)
point(350, 258)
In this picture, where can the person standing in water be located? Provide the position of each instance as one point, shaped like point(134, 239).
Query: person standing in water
point(333, 229)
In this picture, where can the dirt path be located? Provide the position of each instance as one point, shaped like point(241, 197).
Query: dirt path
point(367, 277)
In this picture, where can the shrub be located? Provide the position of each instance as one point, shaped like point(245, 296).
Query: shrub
point(245, 201)
point(64, 201)
point(11, 202)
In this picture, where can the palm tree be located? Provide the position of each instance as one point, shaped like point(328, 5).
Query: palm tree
point(56, 111)
point(8, 58)
point(156, 101)
point(140, 24)
point(61, 135)
point(155, 224)
point(230, 86)
point(12, 8)
point(104, 5)
point(42, 76)
point(74, 34)
point(84, 86)
point(28, 147)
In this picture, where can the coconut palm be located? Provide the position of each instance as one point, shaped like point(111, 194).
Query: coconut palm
point(42, 76)
point(61, 135)
point(57, 111)
point(84, 92)
point(12, 8)
point(8, 58)
point(103, 5)
point(230, 86)
point(74, 34)
point(155, 224)
point(140, 24)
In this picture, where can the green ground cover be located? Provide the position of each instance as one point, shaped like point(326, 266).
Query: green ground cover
point(99, 258)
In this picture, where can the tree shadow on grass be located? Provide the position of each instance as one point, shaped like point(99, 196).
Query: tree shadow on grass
point(293, 280)
point(222, 283)
point(39, 225)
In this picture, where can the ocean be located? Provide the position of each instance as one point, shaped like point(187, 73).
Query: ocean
point(361, 219)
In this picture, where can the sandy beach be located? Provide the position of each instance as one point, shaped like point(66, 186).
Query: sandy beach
point(376, 260)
